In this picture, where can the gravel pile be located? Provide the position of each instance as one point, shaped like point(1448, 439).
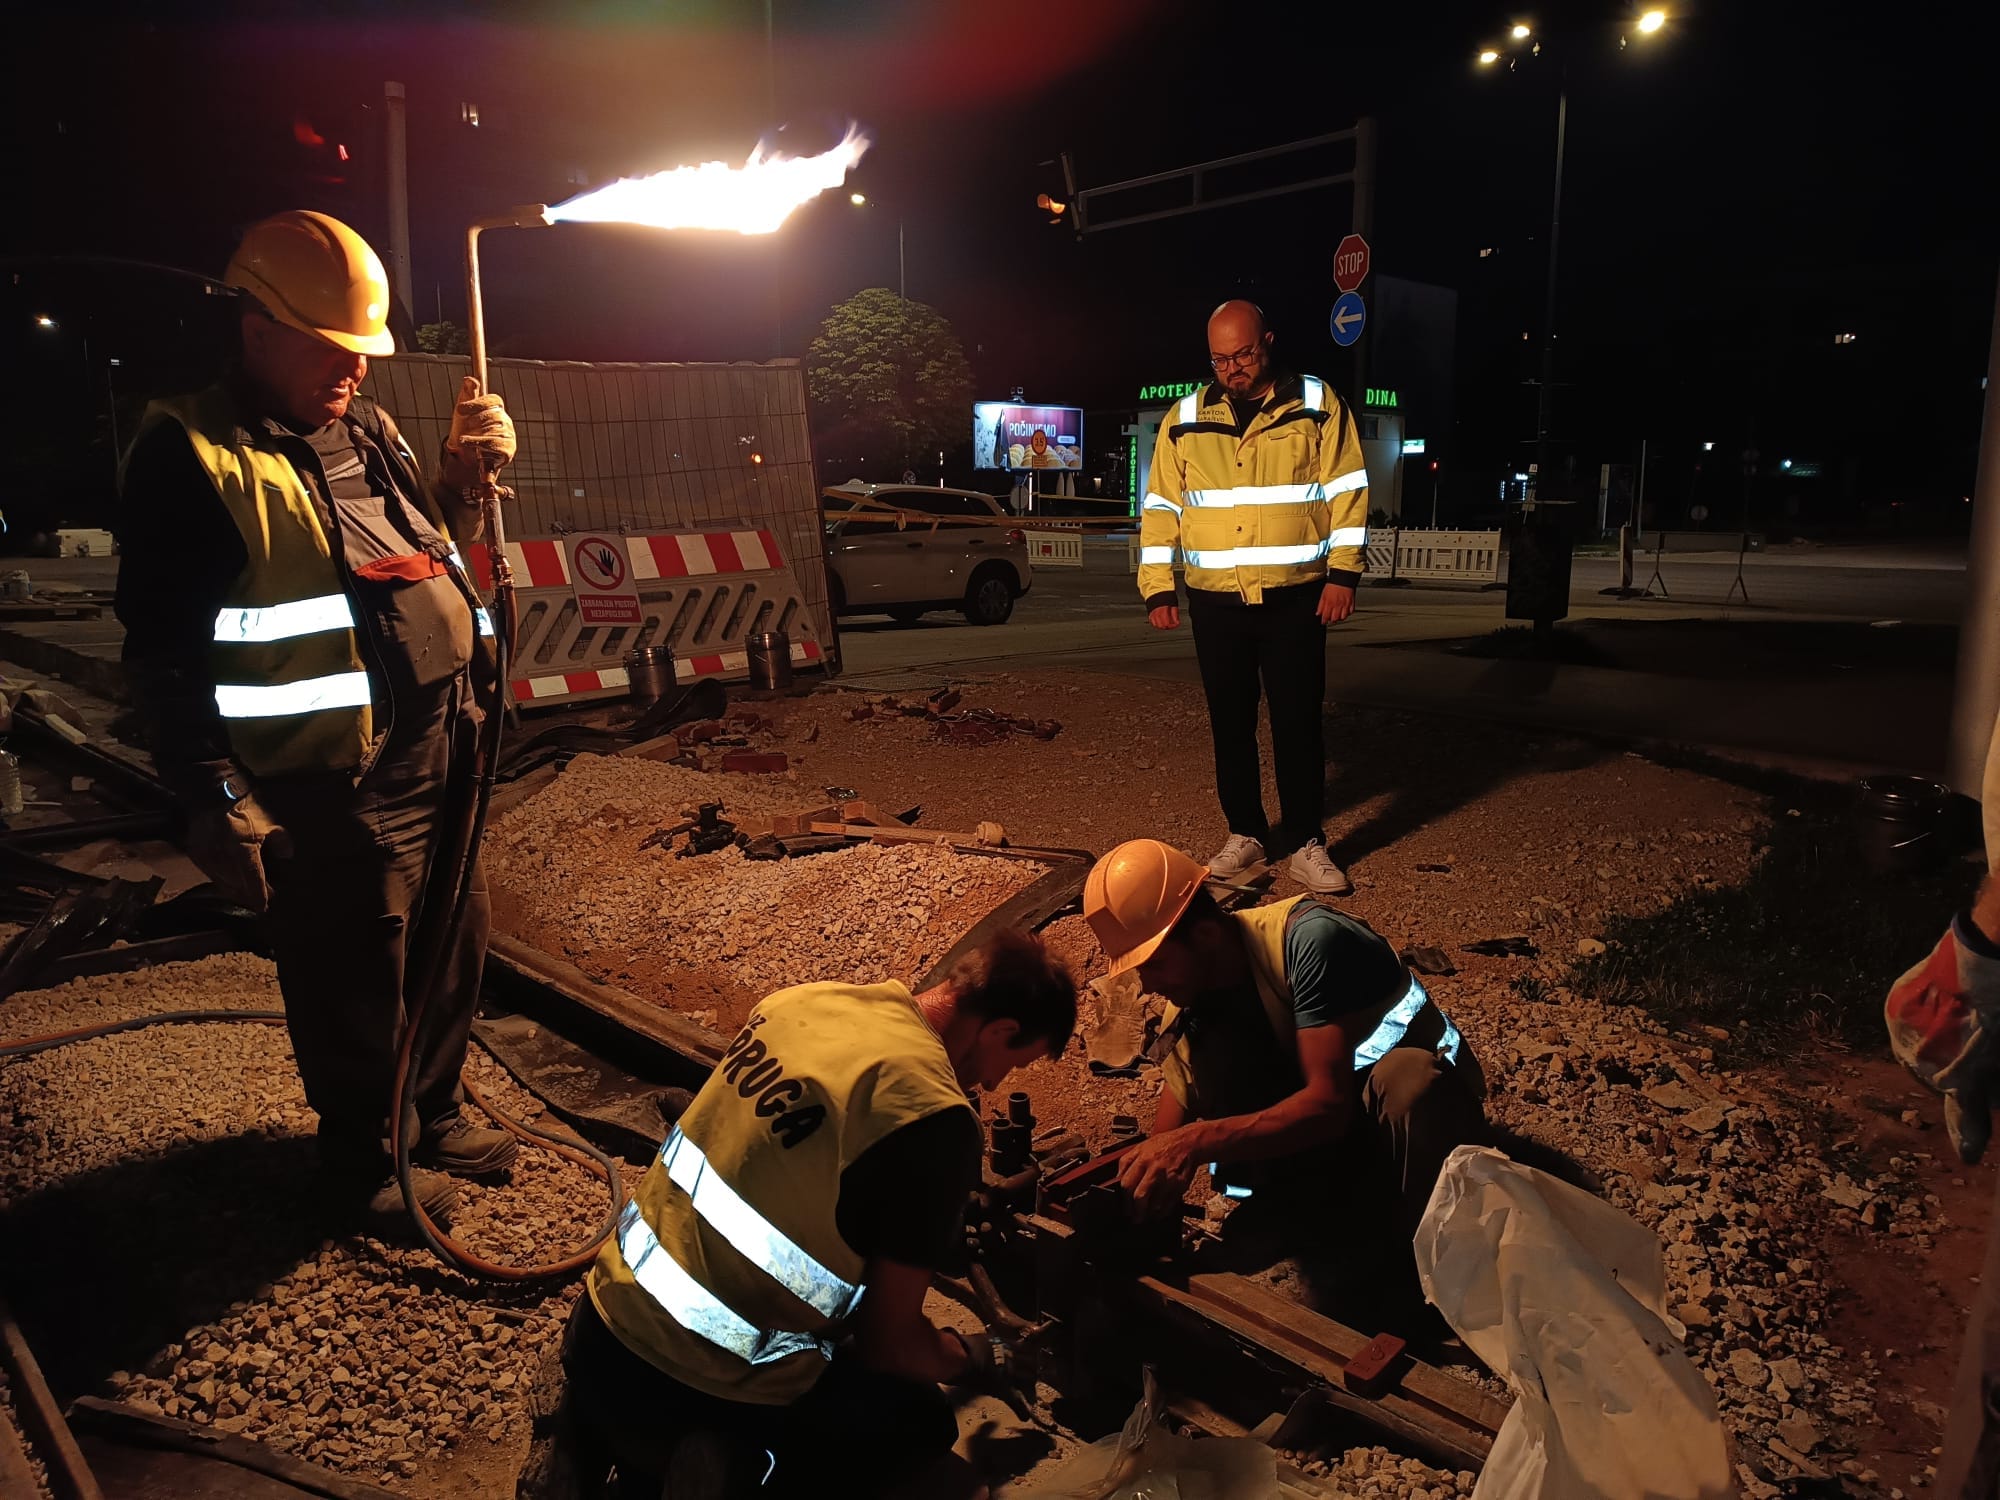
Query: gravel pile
point(632, 789)
point(367, 1357)
point(1743, 1189)
point(713, 934)
point(1366, 1473)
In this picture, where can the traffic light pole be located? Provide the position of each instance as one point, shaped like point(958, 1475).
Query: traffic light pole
point(1546, 393)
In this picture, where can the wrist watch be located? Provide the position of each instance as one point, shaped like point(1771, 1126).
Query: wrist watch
point(230, 790)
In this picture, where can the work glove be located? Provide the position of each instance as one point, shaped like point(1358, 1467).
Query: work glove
point(1944, 1026)
point(482, 422)
point(229, 842)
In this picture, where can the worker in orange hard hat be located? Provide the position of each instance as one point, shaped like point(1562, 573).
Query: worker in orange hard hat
point(1305, 1056)
point(312, 663)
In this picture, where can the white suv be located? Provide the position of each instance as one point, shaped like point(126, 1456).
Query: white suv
point(904, 549)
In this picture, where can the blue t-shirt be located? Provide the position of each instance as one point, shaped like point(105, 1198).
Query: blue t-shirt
point(1337, 965)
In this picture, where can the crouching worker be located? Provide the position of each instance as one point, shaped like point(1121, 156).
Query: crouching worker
point(1308, 1067)
point(756, 1324)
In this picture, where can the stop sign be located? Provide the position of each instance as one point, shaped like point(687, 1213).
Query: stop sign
point(1350, 263)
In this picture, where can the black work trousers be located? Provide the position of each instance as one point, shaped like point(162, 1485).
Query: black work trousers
point(856, 1432)
point(1344, 1215)
point(349, 907)
point(1277, 648)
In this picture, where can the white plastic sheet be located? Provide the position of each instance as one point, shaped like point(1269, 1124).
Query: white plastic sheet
point(1562, 1296)
point(1146, 1462)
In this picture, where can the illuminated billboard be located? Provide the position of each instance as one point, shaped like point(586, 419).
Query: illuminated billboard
point(1005, 436)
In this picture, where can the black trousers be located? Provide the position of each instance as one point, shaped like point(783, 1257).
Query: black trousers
point(856, 1432)
point(1278, 649)
point(346, 910)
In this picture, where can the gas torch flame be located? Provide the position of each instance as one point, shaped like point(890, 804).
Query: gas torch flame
point(754, 198)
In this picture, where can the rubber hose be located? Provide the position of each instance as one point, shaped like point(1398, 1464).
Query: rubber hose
point(429, 966)
point(34, 1044)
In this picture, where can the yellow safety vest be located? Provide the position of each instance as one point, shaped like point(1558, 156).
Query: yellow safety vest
point(289, 679)
point(1195, 1071)
point(728, 1271)
point(1283, 501)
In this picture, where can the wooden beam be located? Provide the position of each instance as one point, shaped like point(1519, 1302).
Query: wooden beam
point(1299, 1344)
point(69, 1476)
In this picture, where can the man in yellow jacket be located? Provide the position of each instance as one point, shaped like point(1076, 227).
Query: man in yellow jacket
point(1258, 485)
point(312, 664)
point(759, 1310)
point(1309, 1068)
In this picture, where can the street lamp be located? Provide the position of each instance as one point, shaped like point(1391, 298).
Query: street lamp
point(860, 200)
point(43, 320)
point(1648, 23)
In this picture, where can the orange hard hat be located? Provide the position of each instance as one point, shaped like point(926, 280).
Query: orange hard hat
point(315, 274)
point(1134, 895)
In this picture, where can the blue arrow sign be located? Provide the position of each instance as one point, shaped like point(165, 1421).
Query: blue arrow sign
point(1350, 316)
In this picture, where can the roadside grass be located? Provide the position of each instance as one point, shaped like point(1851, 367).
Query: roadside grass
point(1800, 954)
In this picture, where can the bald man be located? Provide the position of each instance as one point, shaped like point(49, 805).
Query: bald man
point(1258, 483)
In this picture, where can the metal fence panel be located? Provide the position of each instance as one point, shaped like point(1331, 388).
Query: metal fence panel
point(645, 450)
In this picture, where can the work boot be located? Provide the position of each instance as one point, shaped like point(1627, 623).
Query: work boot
point(1312, 868)
point(387, 1218)
point(467, 1150)
point(1237, 854)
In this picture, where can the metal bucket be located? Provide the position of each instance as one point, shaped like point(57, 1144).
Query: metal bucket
point(650, 671)
point(770, 660)
point(1900, 823)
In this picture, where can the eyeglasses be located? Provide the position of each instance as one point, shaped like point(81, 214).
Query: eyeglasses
point(1246, 355)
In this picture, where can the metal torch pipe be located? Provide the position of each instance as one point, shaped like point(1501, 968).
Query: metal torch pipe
point(459, 859)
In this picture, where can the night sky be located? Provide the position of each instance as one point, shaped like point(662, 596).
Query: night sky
point(1740, 188)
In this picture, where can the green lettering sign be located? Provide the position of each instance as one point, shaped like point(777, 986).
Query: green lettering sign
point(1170, 391)
point(1381, 398)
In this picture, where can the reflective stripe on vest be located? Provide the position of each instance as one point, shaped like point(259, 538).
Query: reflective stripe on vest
point(1149, 556)
point(1160, 502)
point(1252, 557)
point(697, 1309)
point(243, 700)
point(1313, 392)
point(284, 622)
point(753, 1236)
point(1259, 494)
point(1358, 480)
point(1190, 408)
point(1389, 1032)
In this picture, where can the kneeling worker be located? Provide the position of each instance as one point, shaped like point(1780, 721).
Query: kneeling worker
point(1306, 1058)
point(765, 1287)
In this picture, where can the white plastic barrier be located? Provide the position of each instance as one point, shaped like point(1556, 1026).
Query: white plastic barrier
point(1459, 556)
point(1055, 549)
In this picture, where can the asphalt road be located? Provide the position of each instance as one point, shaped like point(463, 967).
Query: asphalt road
point(1092, 615)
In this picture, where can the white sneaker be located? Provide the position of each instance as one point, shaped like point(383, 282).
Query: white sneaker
point(1312, 868)
point(1238, 854)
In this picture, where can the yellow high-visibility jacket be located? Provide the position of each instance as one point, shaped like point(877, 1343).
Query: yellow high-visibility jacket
point(1283, 501)
point(728, 1270)
point(290, 682)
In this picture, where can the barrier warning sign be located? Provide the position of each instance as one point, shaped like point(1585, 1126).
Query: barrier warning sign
point(600, 574)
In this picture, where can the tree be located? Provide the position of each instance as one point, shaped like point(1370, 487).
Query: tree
point(443, 338)
point(888, 374)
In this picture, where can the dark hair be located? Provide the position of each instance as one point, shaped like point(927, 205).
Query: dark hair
point(1012, 976)
point(1201, 910)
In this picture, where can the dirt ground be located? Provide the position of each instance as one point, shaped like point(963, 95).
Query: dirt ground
point(1457, 833)
point(1821, 1242)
